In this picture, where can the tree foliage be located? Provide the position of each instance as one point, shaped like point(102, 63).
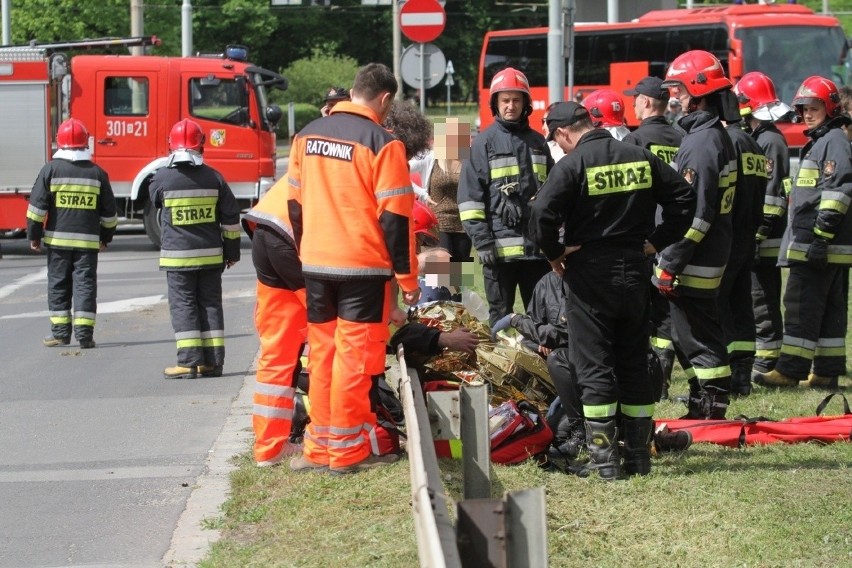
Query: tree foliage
point(310, 78)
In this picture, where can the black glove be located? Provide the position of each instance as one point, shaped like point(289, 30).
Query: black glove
point(757, 250)
point(488, 254)
point(510, 213)
point(818, 254)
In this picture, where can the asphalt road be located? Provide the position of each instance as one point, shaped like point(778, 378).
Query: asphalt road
point(98, 453)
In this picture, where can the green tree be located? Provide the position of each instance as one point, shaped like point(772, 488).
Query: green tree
point(311, 77)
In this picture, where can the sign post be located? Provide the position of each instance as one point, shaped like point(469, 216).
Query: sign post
point(449, 82)
point(422, 21)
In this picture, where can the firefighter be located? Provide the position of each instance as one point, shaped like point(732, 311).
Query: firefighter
point(656, 134)
point(606, 192)
point(815, 246)
point(760, 108)
point(280, 318)
point(508, 163)
point(350, 203)
point(201, 236)
point(690, 271)
point(74, 196)
point(735, 301)
point(607, 110)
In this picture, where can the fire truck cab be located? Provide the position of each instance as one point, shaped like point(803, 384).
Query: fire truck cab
point(129, 104)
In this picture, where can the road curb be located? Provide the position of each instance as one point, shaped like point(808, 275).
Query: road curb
point(190, 541)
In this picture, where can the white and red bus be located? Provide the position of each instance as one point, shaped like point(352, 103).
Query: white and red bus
point(788, 42)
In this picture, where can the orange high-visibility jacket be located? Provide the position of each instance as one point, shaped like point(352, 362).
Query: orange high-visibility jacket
point(271, 211)
point(351, 199)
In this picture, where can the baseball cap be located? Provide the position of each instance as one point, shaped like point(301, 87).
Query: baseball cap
point(564, 114)
point(649, 86)
point(336, 94)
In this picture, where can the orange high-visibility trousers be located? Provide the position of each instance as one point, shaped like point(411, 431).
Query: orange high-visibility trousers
point(345, 357)
point(281, 319)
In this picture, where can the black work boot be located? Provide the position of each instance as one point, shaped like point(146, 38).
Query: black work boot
point(741, 378)
point(666, 358)
point(714, 403)
point(693, 401)
point(637, 445)
point(602, 439)
point(570, 439)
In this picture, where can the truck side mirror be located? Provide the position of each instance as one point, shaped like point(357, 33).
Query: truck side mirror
point(274, 114)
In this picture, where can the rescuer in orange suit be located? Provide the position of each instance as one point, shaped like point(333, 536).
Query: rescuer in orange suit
point(350, 203)
point(280, 318)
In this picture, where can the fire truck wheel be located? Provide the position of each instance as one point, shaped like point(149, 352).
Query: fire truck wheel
point(151, 218)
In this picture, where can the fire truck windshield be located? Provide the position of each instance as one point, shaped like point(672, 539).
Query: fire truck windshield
point(790, 54)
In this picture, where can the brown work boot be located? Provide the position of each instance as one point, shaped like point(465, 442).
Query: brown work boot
point(820, 382)
point(178, 372)
point(775, 379)
point(667, 441)
point(302, 464)
point(370, 462)
point(52, 341)
point(289, 450)
point(210, 370)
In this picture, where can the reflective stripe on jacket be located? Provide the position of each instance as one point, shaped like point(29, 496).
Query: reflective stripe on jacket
point(75, 199)
point(201, 219)
point(708, 161)
point(506, 158)
point(351, 200)
point(822, 192)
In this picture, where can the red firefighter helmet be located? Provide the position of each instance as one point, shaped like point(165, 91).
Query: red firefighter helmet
point(606, 107)
point(186, 135)
point(72, 134)
point(818, 88)
point(425, 220)
point(509, 79)
point(756, 96)
point(699, 72)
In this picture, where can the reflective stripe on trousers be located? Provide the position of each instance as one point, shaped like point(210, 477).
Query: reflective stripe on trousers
point(280, 318)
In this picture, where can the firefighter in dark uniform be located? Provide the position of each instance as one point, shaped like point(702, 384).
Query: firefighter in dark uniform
point(201, 236)
point(689, 272)
point(816, 246)
point(735, 301)
point(508, 163)
point(760, 108)
point(75, 197)
point(655, 133)
point(606, 192)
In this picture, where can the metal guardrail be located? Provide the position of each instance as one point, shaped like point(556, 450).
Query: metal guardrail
point(502, 533)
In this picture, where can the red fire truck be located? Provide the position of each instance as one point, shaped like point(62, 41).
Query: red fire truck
point(129, 104)
point(788, 42)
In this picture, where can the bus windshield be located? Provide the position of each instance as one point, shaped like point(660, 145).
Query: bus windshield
point(791, 54)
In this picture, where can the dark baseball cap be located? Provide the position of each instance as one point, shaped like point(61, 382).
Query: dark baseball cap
point(650, 86)
point(337, 94)
point(564, 114)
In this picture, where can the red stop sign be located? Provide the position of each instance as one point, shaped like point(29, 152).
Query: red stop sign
point(422, 20)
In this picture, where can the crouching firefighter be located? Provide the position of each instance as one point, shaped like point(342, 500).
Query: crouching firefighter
point(200, 237)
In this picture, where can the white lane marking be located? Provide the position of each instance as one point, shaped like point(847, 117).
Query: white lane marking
point(117, 307)
point(10, 289)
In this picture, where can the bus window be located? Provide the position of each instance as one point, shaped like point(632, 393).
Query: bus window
point(527, 54)
point(791, 54)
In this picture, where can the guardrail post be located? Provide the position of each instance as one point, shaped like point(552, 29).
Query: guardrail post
point(476, 441)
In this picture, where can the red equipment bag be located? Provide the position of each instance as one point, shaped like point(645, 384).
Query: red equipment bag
point(518, 432)
point(743, 431)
